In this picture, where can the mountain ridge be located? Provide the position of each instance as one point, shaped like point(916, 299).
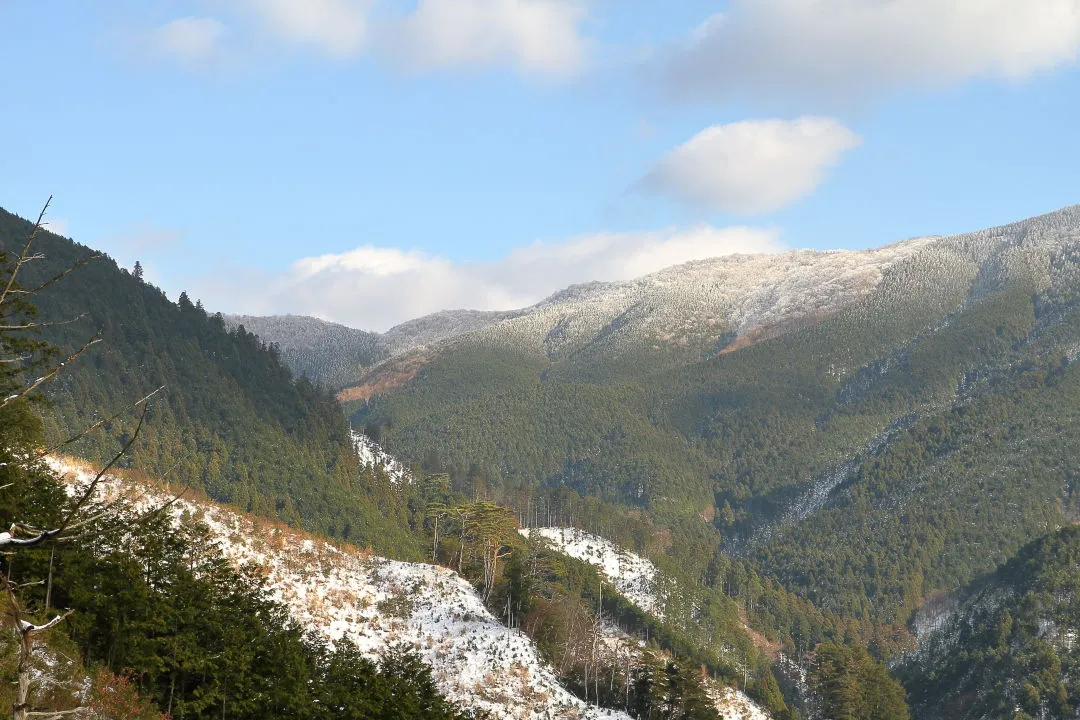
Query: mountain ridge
point(735, 300)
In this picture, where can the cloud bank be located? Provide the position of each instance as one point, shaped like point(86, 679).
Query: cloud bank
point(537, 36)
point(337, 28)
point(842, 49)
point(376, 288)
point(752, 167)
point(534, 37)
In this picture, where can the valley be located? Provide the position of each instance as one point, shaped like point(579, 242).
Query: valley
point(723, 490)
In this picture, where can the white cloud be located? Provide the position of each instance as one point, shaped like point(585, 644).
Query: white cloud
point(193, 40)
point(752, 167)
point(536, 36)
point(337, 28)
point(845, 48)
point(376, 288)
point(57, 226)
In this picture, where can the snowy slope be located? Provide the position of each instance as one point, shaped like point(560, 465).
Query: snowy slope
point(639, 581)
point(352, 596)
point(634, 577)
point(371, 454)
point(734, 704)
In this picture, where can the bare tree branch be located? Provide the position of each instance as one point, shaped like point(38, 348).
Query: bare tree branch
point(9, 539)
point(49, 375)
point(24, 257)
point(26, 627)
point(27, 631)
point(36, 325)
point(100, 423)
point(57, 277)
point(92, 487)
point(80, 435)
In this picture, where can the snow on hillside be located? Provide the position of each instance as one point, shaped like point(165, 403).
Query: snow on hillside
point(371, 454)
point(724, 302)
point(638, 580)
point(700, 301)
point(634, 577)
point(349, 595)
point(711, 301)
point(734, 704)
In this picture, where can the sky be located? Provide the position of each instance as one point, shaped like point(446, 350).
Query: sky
point(371, 161)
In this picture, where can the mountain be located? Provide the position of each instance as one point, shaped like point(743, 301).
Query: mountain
point(728, 301)
point(1006, 645)
point(337, 356)
point(230, 419)
point(771, 473)
point(233, 423)
point(695, 309)
point(863, 428)
point(326, 353)
point(433, 329)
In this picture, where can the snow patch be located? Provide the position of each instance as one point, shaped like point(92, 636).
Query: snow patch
point(636, 578)
point(372, 455)
point(734, 704)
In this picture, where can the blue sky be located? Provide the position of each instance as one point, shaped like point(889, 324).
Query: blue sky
point(368, 161)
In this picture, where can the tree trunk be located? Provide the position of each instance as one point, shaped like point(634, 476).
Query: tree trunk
point(48, 584)
point(22, 695)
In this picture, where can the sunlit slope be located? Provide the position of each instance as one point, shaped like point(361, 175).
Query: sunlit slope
point(801, 450)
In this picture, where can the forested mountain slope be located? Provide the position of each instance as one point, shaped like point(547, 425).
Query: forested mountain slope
point(326, 353)
point(1006, 646)
point(337, 356)
point(231, 420)
point(864, 428)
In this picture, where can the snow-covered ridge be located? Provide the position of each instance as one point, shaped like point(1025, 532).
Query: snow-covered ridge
point(372, 454)
point(722, 303)
point(699, 302)
point(636, 578)
point(348, 594)
point(748, 296)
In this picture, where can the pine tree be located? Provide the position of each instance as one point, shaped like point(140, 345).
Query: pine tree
point(846, 683)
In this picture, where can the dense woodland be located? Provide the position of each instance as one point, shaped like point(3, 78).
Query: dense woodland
point(230, 419)
point(327, 354)
point(1011, 650)
point(827, 479)
point(155, 622)
point(771, 430)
